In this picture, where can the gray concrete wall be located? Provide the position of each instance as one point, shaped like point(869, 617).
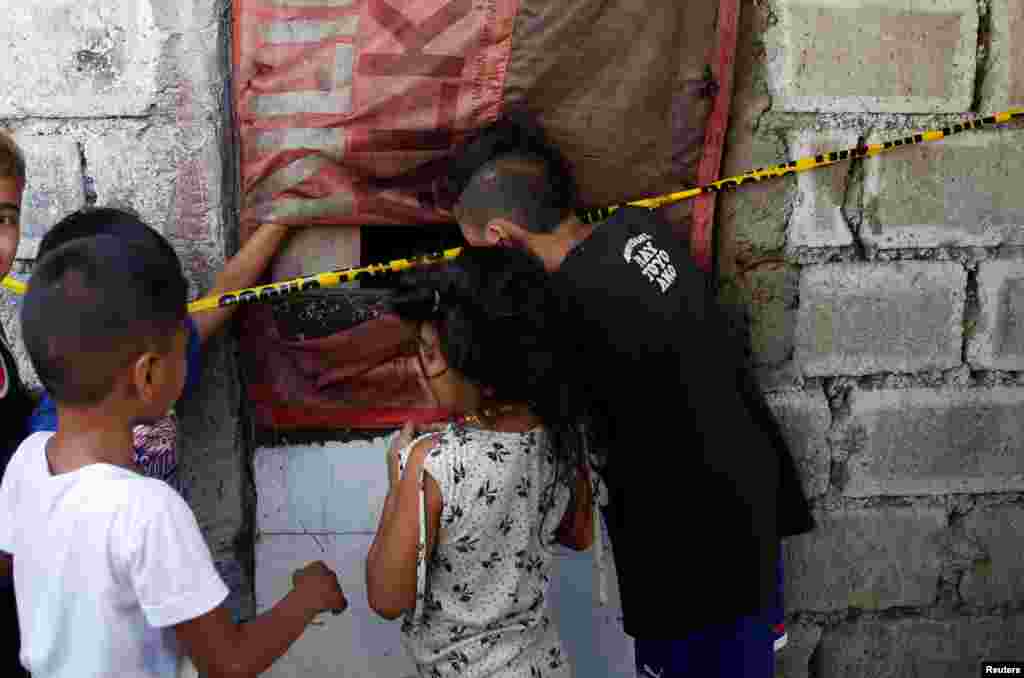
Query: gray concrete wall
point(882, 300)
point(121, 103)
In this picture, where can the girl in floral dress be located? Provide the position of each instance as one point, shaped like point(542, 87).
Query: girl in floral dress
point(465, 544)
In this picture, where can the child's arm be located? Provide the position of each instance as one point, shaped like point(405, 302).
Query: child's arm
point(391, 563)
point(577, 528)
point(242, 270)
point(219, 647)
point(167, 562)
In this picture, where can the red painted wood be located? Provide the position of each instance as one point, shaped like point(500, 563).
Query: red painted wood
point(281, 418)
point(702, 231)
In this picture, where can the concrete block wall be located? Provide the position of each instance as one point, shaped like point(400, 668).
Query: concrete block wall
point(121, 103)
point(883, 299)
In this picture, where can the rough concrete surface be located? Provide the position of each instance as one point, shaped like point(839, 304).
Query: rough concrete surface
point(857, 55)
point(997, 340)
point(865, 558)
point(88, 58)
point(54, 186)
point(767, 296)
point(818, 219)
point(155, 174)
point(867, 318)
point(805, 419)
point(793, 660)
point(1003, 86)
point(928, 441)
point(998, 577)
point(920, 647)
point(963, 191)
point(920, 359)
point(209, 460)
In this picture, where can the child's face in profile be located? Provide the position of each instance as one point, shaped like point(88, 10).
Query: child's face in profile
point(10, 229)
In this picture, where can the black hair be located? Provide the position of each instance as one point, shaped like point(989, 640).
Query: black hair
point(93, 221)
point(496, 316)
point(510, 170)
point(95, 304)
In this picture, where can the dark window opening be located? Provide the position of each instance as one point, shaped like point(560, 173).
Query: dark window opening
point(320, 313)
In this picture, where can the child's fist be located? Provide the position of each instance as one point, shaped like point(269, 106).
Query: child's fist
point(319, 586)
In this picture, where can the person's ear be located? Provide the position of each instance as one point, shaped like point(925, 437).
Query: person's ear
point(431, 354)
point(504, 233)
point(494, 232)
point(147, 377)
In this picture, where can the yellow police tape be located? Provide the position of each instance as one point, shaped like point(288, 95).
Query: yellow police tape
point(316, 281)
point(13, 285)
point(804, 164)
point(277, 290)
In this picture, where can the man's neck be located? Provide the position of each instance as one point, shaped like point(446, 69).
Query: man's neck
point(553, 248)
point(89, 436)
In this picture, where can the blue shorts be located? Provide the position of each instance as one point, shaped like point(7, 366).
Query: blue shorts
point(741, 649)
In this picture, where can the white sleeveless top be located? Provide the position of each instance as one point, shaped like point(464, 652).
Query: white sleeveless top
point(481, 603)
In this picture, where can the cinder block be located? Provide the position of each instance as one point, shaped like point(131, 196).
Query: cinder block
point(865, 558)
point(793, 660)
point(964, 191)
point(1003, 86)
point(54, 188)
point(174, 187)
point(900, 56)
point(920, 647)
point(805, 418)
point(818, 220)
point(857, 319)
point(999, 578)
point(998, 339)
point(924, 441)
point(89, 58)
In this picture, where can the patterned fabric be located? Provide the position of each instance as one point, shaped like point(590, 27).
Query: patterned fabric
point(481, 604)
point(155, 451)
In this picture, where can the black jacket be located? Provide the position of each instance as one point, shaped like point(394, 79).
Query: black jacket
point(701, 482)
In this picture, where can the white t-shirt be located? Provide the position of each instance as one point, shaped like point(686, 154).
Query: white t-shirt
point(106, 562)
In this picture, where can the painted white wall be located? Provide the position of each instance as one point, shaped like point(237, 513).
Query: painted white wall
point(335, 492)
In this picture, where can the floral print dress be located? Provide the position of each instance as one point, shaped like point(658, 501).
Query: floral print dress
point(481, 603)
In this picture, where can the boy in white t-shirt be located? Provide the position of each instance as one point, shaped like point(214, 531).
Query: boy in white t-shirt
point(112, 575)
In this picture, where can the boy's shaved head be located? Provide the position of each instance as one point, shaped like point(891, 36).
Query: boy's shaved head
point(93, 306)
point(510, 171)
point(93, 221)
point(515, 187)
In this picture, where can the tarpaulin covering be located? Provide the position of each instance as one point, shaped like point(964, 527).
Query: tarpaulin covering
point(333, 97)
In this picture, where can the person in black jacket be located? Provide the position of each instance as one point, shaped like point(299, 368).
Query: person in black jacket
point(701, 483)
point(15, 402)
